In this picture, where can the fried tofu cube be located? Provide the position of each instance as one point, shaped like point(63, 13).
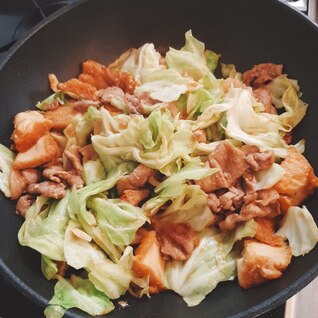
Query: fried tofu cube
point(298, 182)
point(61, 116)
point(266, 232)
point(94, 74)
point(45, 150)
point(261, 262)
point(29, 126)
point(134, 197)
point(149, 262)
point(78, 88)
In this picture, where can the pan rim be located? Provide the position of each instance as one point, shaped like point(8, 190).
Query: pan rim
point(272, 302)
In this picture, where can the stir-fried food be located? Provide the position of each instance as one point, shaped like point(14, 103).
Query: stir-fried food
point(151, 174)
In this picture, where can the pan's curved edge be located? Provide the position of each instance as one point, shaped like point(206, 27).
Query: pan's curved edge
point(5, 271)
point(37, 27)
point(264, 306)
point(309, 276)
point(281, 297)
point(286, 4)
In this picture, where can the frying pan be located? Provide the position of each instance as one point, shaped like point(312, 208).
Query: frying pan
point(246, 32)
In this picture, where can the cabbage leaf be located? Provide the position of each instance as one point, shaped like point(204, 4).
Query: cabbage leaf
point(200, 274)
point(43, 230)
point(6, 161)
point(300, 229)
point(80, 293)
point(152, 141)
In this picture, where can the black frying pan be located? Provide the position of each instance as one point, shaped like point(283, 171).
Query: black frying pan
point(246, 32)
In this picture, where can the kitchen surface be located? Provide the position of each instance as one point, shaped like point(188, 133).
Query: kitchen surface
point(17, 17)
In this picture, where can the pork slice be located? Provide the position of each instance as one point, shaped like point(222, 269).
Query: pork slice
point(214, 203)
point(88, 153)
point(232, 199)
point(83, 105)
point(266, 205)
point(176, 240)
point(73, 155)
point(31, 175)
point(135, 180)
point(24, 203)
point(48, 189)
point(264, 96)
point(231, 164)
point(260, 160)
point(262, 74)
point(56, 173)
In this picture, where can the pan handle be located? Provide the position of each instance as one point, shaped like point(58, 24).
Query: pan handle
point(303, 304)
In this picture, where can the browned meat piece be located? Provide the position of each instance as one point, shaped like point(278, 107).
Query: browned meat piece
point(266, 232)
point(17, 184)
point(74, 180)
point(83, 105)
point(133, 103)
point(260, 160)
point(134, 197)
point(298, 182)
point(73, 155)
point(62, 267)
point(31, 175)
point(288, 137)
point(139, 235)
point(247, 149)
point(264, 96)
point(248, 181)
point(56, 173)
point(19, 179)
point(231, 164)
point(97, 127)
point(261, 262)
point(232, 199)
point(88, 153)
point(200, 135)
point(48, 189)
point(262, 74)
point(256, 159)
point(29, 126)
point(214, 203)
point(45, 150)
point(24, 203)
point(266, 204)
point(135, 180)
point(176, 240)
point(52, 172)
point(154, 178)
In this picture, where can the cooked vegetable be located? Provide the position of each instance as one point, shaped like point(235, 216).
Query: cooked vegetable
point(6, 161)
point(300, 229)
point(151, 174)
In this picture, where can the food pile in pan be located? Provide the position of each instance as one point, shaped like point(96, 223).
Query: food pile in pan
point(151, 174)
